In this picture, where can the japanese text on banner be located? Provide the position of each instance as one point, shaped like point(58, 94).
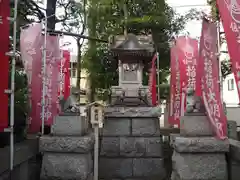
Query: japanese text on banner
point(229, 12)
point(177, 95)
point(211, 94)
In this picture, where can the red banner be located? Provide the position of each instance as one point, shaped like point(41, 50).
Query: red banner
point(188, 55)
point(211, 94)
point(152, 81)
point(64, 74)
point(31, 42)
point(4, 48)
point(175, 99)
point(229, 12)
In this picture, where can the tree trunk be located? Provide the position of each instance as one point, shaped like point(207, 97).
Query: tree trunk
point(51, 10)
point(92, 22)
point(79, 64)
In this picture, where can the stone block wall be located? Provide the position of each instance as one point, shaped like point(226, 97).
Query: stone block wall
point(131, 148)
point(26, 161)
point(234, 160)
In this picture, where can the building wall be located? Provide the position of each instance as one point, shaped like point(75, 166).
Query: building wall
point(230, 94)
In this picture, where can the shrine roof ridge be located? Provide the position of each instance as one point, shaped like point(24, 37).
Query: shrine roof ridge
point(131, 44)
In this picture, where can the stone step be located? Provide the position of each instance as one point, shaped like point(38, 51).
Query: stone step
point(83, 144)
point(69, 125)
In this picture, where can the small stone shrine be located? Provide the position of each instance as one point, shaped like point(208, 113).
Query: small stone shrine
point(131, 146)
point(133, 52)
point(198, 155)
point(67, 152)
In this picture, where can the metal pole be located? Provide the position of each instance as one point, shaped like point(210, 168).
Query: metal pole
point(61, 73)
point(13, 86)
point(44, 74)
point(96, 153)
point(125, 18)
point(219, 61)
point(71, 73)
point(158, 79)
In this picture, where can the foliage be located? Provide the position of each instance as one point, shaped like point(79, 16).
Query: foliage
point(145, 17)
point(214, 9)
point(225, 64)
point(77, 23)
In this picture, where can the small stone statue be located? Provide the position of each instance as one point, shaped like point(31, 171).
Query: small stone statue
point(69, 105)
point(194, 103)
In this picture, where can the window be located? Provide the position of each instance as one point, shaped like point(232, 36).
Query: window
point(231, 84)
point(74, 73)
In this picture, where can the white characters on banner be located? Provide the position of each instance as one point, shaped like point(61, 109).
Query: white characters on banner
point(48, 84)
point(191, 63)
point(1, 20)
point(234, 9)
point(177, 97)
point(209, 96)
point(62, 75)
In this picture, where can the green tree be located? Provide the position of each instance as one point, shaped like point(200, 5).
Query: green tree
point(77, 24)
point(145, 17)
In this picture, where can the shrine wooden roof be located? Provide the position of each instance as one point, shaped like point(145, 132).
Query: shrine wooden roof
point(131, 45)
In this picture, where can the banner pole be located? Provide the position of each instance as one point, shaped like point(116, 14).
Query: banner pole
point(13, 86)
point(158, 79)
point(44, 74)
point(61, 73)
point(219, 61)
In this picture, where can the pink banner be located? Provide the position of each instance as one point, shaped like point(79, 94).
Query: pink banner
point(229, 12)
point(4, 48)
point(175, 99)
point(53, 56)
point(64, 74)
point(31, 42)
point(152, 81)
point(30, 38)
point(188, 55)
point(210, 79)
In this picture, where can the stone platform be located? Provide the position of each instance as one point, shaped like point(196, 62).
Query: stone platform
point(131, 146)
point(197, 154)
point(67, 152)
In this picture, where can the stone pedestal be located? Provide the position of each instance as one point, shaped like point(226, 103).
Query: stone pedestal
point(67, 153)
point(232, 130)
point(197, 154)
point(131, 146)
